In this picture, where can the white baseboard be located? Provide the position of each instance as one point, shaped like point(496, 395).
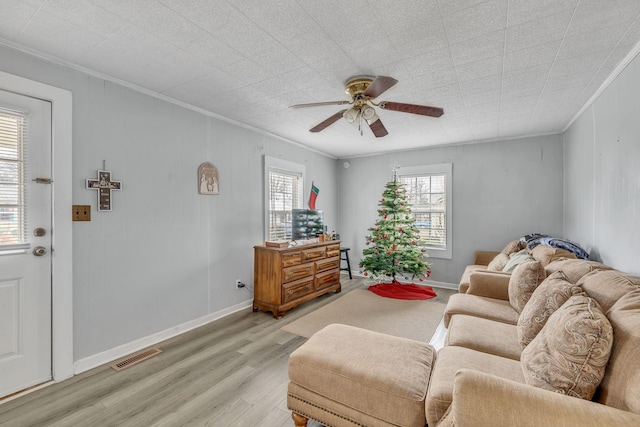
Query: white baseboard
point(123, 350)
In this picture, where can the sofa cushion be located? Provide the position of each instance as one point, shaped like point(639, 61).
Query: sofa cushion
point(464, 280)
point(450, 360)
point(608, 286)
point(570, 353)
point(619, 387)
point(513, 246)
point(516, 259)
point(574, 268)
point(546, 254)
point(498, 263)
point(525, 278)
point(487, 336)
point(477, 306)
point(549, 296)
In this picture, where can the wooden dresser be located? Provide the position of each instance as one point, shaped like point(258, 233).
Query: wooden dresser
point(287, 277)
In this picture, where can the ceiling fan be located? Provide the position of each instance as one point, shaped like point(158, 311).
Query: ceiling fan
point(363, 90)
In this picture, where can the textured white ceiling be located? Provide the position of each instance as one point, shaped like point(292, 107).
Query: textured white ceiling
point(499, 68)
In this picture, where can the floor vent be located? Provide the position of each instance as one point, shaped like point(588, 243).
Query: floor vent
point(136, 358)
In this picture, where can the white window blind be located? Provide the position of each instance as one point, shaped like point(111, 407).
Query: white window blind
point(427, 195)
point(13, 133)
point(285, 194)
point(283, 191)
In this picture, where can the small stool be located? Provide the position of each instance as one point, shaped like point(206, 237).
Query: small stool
point(349, 376)
point(345, 251)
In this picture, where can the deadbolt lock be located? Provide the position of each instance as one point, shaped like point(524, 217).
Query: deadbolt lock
point(39, 232)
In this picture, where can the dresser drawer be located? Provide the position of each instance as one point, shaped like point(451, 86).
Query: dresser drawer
point(291, 258)
point(333, 250)
point(327, 278)
point(297, 272)
point(313, 253)
point(327, 264)
point(295, 290)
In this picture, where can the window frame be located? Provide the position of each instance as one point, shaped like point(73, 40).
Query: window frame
point(273, 164)
point(445, 169)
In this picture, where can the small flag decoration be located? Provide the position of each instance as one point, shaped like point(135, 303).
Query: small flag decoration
point(313, 196)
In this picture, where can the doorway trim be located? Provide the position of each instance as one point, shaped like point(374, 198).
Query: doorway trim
point(62, 252)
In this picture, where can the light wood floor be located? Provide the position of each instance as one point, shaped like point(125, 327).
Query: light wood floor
point(231, 372)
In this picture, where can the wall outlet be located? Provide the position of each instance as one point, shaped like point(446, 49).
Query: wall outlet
point(239, 284)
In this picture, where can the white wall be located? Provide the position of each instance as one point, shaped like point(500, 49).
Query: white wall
point(165, 255)
point(602, 177)
point(501, 191)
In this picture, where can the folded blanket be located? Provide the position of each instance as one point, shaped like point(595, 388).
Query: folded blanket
point(532, 240)
point(565, 244)
point(536, 239)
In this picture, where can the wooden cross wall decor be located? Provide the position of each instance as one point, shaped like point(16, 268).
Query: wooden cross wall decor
point(104, 185)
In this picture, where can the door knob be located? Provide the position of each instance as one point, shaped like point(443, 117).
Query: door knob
point(39, 250)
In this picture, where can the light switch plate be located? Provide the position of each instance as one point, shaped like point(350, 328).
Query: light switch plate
point(81, 213)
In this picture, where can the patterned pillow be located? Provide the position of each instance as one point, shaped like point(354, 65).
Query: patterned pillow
point(523, 281)
point(515, 259)
point(571, 352)
point(498, 262)
point(554, 291)
point(513, 246)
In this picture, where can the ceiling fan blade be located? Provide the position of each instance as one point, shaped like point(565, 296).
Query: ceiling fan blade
point(331, 120)
point(378, 129)
point(379, 85)
point(319, 104)
point(423, 110)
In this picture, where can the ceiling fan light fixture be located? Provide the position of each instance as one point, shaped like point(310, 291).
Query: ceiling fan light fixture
point(352, 115)
point(369, 114)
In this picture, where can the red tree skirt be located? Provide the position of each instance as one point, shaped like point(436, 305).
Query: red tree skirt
point(399, 291)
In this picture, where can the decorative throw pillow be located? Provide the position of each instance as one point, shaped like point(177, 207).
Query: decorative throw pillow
point(574, 269)
point(546, 254)
point(571, 352)
point(498, 262)
point(524, 279)
point(516, 259)
point(554, 291)
point(513, 246)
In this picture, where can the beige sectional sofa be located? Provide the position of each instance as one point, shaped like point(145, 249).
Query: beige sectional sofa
point(555, 344)
point(479, 378)
point(496, 261)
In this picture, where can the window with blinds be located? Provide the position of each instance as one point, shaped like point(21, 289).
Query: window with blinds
point(429, 190)
point(427, 196)
point(285, 194)
point(12, 173)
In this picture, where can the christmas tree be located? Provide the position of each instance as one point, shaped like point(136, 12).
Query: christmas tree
point(395, 247)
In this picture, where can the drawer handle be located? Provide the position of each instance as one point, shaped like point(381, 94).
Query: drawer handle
point(290, 291)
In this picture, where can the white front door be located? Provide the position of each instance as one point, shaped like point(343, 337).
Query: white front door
point(25, 242)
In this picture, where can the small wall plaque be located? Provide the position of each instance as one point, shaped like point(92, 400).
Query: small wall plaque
point(208, 182)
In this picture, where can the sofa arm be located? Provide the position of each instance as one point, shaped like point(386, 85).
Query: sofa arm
point(483, 257)
point(481, 400)
point(491, 284)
